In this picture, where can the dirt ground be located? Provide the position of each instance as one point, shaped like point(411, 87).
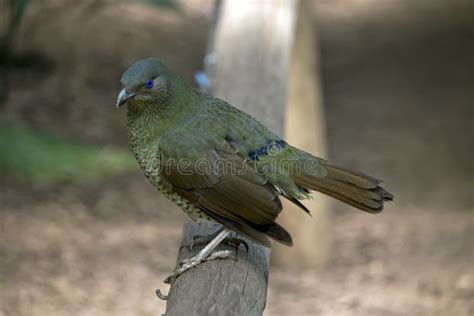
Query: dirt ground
point(397, 78)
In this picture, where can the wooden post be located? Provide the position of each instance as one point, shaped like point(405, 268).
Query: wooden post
point(248, 66)
point(305, 128)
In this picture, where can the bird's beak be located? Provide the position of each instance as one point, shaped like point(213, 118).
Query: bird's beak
point(123, 97)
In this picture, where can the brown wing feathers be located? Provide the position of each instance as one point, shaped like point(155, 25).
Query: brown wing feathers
point(243, 201)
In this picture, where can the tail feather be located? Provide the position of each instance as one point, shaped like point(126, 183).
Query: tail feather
point(351, 176)
point(351, 187)
point(278, 233)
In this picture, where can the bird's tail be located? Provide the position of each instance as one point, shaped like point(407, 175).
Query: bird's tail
point(351, 187)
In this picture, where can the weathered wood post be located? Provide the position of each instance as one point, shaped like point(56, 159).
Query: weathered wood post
point(248, 64)
point(305, 128)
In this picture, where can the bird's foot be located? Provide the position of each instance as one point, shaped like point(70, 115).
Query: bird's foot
point(190, 263)
point(199, 240)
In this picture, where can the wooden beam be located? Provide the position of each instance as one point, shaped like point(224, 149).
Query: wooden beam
point(248, 65)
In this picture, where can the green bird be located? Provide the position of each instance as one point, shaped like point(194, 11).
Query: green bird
point(220, 164)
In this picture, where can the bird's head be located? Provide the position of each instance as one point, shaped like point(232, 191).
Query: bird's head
point(146, 80)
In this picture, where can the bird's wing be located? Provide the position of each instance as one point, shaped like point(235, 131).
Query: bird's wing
point(209, 173)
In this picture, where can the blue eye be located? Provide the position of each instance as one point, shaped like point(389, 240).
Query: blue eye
point(149, 84)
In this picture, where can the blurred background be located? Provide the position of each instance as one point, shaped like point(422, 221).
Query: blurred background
point(83, 233)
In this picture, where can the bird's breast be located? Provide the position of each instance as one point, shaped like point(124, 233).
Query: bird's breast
point(148, 157)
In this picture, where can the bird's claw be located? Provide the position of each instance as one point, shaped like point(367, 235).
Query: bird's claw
point(197, 240)
point(190, 263)
point(160, 295)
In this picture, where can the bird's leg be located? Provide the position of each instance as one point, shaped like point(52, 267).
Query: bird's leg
point(203, 255)
point(236, 242)
point(199, 240)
